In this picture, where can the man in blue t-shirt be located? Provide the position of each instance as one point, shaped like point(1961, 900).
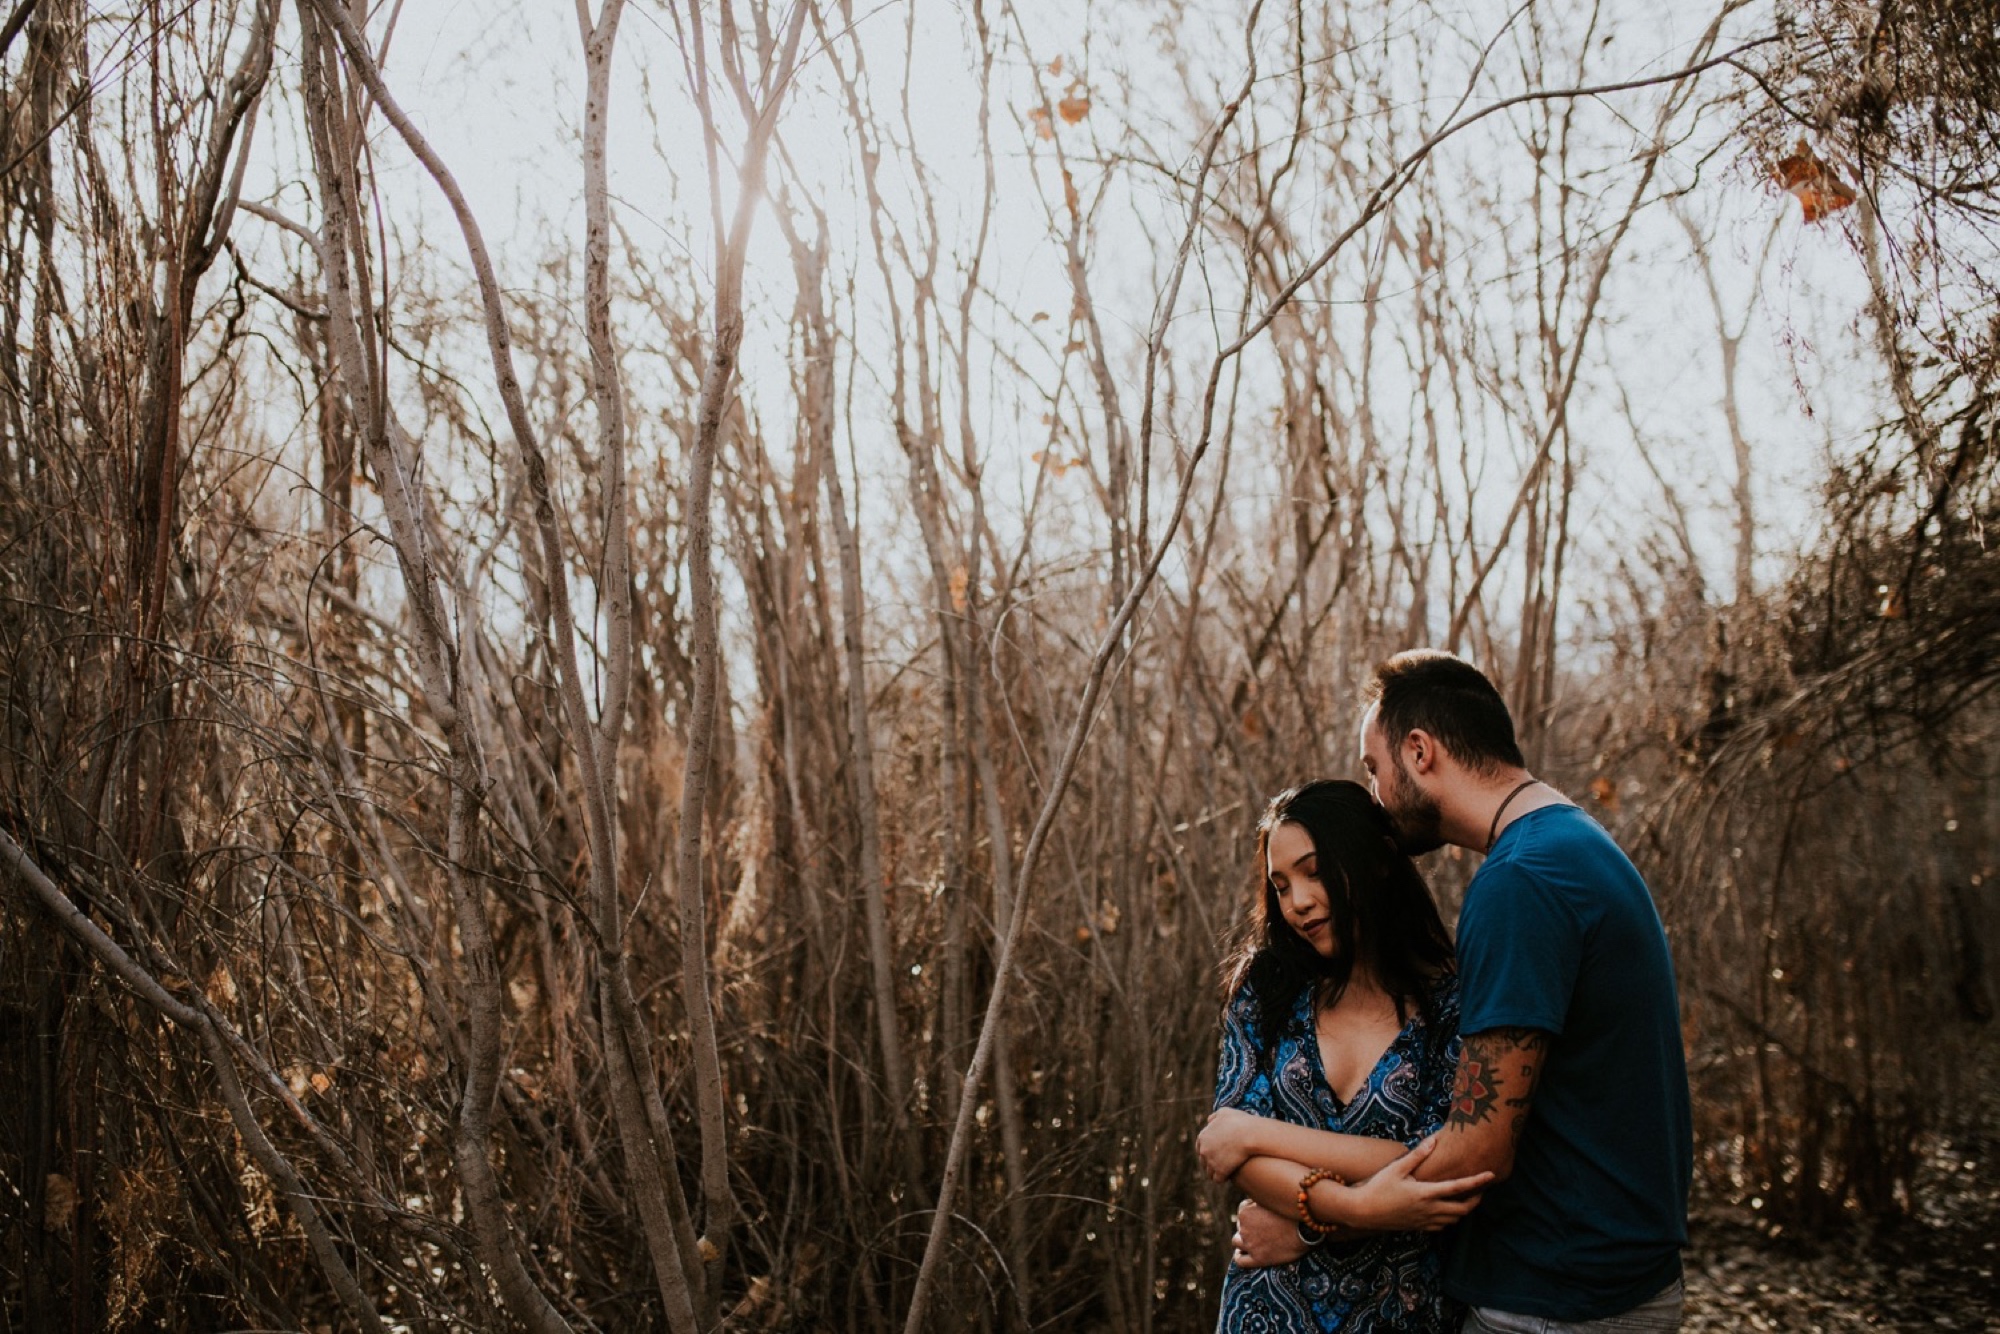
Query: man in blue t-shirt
point(1572, 1087)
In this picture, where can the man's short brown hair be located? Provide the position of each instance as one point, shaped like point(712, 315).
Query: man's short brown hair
point(1427, 689)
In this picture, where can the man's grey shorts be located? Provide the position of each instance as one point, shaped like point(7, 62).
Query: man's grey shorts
point(1657, 1315)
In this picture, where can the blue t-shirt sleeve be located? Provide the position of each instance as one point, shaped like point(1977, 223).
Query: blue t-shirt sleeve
point(1241, 1079)
point(1519, 950)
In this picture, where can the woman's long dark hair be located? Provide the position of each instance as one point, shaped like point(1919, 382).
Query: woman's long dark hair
point(1383, 913)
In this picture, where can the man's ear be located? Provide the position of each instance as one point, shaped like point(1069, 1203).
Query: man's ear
point(1420, 751)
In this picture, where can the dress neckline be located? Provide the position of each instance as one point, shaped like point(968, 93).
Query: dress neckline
point(1368, 1080)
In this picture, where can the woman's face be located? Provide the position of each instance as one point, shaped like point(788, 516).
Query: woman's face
point(1292, 866)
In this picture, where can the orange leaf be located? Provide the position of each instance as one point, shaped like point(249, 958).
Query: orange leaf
point(1812, 183)
point(958, 589)
point(1040, 116)
point(1055, 68)
point(1076, 106)
point(1606, 793)
point(1070, 196)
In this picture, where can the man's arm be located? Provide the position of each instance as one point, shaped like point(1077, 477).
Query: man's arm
point(1492, 1092)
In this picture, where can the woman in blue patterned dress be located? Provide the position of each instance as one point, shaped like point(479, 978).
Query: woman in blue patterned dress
point(1339, 1044)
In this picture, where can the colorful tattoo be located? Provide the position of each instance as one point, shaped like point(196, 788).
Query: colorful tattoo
point(1472, 1093)
point(1483, 1069)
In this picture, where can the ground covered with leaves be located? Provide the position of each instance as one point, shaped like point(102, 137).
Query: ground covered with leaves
point(1932, 1270)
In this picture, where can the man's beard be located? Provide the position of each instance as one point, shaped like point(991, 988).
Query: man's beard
point(1416, 818)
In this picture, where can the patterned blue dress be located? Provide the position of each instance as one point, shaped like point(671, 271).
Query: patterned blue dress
point(1380, 1283)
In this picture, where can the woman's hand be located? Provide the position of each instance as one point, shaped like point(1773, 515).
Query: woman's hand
point(1227, 1142)
point(1393, 1200)
point(1263, 1238)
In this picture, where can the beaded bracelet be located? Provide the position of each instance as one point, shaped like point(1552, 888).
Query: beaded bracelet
point(1306, 1183)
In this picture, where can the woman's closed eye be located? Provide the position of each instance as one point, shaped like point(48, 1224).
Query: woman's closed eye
point(1305, 874)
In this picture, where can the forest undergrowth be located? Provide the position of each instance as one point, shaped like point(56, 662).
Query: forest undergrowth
point(1933, 1269)
point(687, 763)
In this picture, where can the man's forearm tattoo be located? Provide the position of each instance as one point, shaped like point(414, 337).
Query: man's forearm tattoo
point(1497, 1069)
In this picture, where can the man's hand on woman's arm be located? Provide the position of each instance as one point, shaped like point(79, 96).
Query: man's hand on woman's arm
point(1264, 1237)
point(1393, 1199)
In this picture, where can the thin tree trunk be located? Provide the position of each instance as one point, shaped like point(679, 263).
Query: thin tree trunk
point(731, 244)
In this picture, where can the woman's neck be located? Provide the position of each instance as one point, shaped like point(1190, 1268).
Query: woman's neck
point(1362, 992)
